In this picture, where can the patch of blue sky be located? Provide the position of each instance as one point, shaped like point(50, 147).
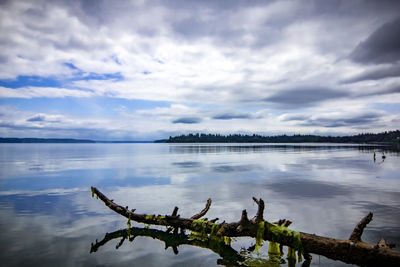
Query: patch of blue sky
point(81, 75)
point(393, 108)
point(96, 76)
point(53, 81)
point(58, 82)
point(23, 81)
point(94, 106)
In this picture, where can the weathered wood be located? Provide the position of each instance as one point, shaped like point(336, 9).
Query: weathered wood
point(353, 251)
point(358, 230)
point(203, 212)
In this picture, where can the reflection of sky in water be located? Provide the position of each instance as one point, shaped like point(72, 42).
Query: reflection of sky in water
point(48, 217)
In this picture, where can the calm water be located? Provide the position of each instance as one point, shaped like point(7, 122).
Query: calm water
point(48, 218)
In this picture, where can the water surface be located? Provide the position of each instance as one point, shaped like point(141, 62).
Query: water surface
point(47, 215)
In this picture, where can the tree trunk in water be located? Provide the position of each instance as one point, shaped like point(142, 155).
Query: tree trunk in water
point(352, 250)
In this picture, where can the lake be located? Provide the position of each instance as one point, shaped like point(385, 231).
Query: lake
point(48, 217)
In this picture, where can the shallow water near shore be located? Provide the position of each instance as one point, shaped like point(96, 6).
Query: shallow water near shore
point(48, 217)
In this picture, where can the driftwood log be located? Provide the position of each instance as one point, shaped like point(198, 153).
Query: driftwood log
point(352, 250)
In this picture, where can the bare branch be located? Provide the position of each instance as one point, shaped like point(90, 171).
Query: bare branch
point(358, 230)
point(175, 212)
point(203, 212)
point(260, 211)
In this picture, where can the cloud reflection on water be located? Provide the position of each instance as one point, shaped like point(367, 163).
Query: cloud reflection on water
point(323, 191)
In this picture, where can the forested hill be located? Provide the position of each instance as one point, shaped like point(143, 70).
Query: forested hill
point(385, 137)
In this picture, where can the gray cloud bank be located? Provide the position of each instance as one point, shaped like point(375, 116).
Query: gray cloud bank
point(382, 46)
point(336, 120)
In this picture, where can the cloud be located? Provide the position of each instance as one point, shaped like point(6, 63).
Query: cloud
point(47, 92)
point(378, 73)
point(336, 119)
point(294, 117)
point(304, 96)
point(232, 115)
point(42, 118)
point(378, 90)
point(36, 118)
point(187, 120)
point(224, 67)
point(382, 46)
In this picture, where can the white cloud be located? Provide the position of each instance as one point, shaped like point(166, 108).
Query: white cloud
point(49, 92)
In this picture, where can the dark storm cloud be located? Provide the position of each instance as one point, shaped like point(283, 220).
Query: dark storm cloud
point(305, 96)
point(231, 116)
point(376, 74)
point(336, 121)
point(187, 120)
point(382, 46)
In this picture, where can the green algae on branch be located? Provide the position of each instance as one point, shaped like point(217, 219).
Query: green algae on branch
point(277, 232)
point(93, 192)
point(201, 232)
point(200, 229)
point(150, 217)
point(129, 221)
point(160, 219)
point(260, 235)
point(274, 248)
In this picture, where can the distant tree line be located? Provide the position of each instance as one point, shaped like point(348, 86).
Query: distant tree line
point(384, 137)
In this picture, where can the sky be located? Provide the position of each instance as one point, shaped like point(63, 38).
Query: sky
point(146, 70)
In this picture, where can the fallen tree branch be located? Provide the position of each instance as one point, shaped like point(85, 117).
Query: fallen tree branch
point(353, 251)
